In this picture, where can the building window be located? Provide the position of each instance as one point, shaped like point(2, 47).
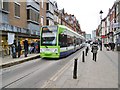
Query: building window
point(17, 9)
point(47, 22)
point(47, 6)
point(28, 14)
point(5, 5)
point(42, 21)
point(32, 15)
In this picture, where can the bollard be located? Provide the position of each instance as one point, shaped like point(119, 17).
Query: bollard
point(75, 69)
point(83, 57)
point(86, 52)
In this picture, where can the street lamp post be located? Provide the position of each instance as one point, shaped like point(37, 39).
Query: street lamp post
point(101, 12)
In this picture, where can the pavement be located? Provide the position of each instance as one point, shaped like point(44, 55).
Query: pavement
point(8, 61)
point(90, 74)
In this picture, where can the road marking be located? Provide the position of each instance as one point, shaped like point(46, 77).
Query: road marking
point(57, 75)
point(60, 72)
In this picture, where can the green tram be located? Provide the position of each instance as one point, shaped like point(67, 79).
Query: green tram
point(59, 41)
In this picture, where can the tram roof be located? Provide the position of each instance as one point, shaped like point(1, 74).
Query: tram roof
point(62, 26)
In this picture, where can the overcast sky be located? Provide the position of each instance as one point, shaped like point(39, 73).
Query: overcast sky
point(86, 11)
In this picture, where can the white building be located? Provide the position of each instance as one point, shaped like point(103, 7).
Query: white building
point(88, 37)
point(94, 35)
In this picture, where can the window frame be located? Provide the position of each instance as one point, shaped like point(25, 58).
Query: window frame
point(33, 15)
point(42, 20)
point(17, 16)
point(5, 6)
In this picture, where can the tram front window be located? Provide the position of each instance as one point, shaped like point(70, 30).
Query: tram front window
point(49, 35)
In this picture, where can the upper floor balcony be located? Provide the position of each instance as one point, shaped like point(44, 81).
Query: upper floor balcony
point(34, 4)
point(49, 15)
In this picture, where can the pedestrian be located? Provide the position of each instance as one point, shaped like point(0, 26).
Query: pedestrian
point(113, 46)
point(26, 47)
point(107, 47)
point(32, 47)
point(94, 51)
point(110, 46)
point(38, 46)
point(87, 49)
point(14, 49)
point(19, 49)
point(100, 43)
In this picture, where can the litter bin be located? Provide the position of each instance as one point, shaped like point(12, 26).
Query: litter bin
point(118, 47)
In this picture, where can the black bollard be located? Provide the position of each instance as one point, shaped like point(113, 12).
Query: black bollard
point(86, 52)
point(83, 57)
point(75, 69)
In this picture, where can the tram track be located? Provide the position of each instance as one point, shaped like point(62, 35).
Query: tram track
point(26, 72)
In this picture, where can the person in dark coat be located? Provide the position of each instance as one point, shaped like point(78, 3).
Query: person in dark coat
point(38, 46)
point(26, 47)
point(14, 49)
point(87, 49)
point(112, 46)
point(100, 43)
point(94, 51)
point(19, 49)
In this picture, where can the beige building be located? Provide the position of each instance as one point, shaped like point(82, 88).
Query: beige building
point(20, 21)
point(43, 13)
point(18, 14)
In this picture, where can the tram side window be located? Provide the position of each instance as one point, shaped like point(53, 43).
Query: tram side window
point(62, 40)
point(80, 41)
point(70, 40)
point(77, 41)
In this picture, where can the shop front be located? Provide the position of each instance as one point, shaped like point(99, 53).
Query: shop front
point(6, 43)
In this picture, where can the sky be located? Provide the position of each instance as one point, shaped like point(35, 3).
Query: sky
point(86, 11)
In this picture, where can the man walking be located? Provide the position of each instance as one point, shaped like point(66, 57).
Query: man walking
point(94, 51)
point(19, 49)
point(26, 47)
point(14, 49)
point(100, 44)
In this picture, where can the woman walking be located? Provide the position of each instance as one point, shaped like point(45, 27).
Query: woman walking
point(94, 51)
